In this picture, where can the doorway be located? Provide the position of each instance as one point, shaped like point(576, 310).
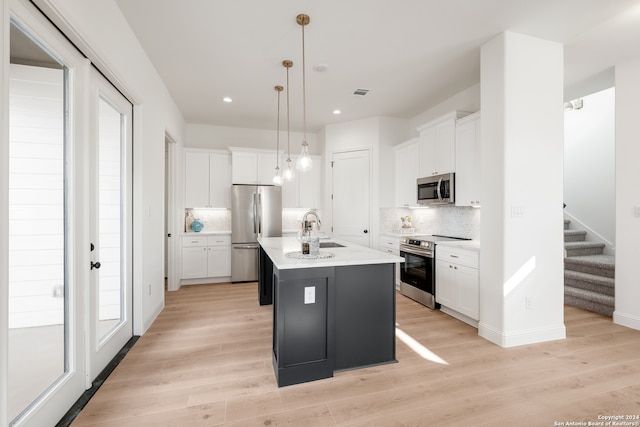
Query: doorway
point(351, 196)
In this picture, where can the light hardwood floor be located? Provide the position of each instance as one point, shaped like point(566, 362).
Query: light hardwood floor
point(206, 361)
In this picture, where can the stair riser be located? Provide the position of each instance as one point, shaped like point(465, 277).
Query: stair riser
point(589, 286)
point(584, 251)
point(574, 238)
point(604, 309)
point(596, 271)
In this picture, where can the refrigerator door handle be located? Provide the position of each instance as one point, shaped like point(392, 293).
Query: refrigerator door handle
point(255, 214)
point(259, 216)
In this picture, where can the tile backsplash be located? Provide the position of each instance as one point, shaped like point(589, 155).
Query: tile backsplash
point(219, 220)
point(444, 220)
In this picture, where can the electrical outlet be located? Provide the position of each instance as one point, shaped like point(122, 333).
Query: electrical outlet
point(310, 295)
point(528, 302)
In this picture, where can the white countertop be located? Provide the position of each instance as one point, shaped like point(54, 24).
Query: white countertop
point(462, 244)
point(350, 254)
point(206, 233)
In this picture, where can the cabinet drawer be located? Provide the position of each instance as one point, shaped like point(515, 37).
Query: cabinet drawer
point(459, 256)
point(188, 241)
point(389, 243)
point(224, 240)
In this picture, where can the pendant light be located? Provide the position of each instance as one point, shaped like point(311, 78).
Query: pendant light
point(277, 178)
point(288, 173)
point(304, 162)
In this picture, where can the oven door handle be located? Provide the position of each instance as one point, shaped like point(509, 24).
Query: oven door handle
point(428, 254)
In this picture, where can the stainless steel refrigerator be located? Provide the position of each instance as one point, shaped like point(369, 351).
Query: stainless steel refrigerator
point(256, 211)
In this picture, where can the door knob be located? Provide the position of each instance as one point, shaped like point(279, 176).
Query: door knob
point(95, 265)
point(366, 231)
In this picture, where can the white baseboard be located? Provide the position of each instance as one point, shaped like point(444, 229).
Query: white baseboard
point(516, 338)
point(628, 320)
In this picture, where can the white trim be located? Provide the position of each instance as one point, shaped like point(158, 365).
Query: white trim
point(523, 337)
point(628, 320)
point(58, 16)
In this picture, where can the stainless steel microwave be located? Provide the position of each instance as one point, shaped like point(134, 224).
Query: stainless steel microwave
point(436, 190)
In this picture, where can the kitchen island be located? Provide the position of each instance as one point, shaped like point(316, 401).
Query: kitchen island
point(332, 313)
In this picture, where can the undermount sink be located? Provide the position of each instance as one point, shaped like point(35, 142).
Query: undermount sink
point(331, 245)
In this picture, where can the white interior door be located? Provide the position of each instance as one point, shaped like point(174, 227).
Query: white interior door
point(351, 190)
point(110, 288)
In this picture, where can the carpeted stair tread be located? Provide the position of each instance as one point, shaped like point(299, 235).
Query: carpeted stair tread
point(574, 235)
point(592, 301)
point(601, 265)
point(583, 248)
point(589, 282)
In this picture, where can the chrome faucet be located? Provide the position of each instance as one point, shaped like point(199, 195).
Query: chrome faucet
point(305, 222)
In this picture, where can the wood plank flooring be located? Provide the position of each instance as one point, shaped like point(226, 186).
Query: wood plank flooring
point(206, 361)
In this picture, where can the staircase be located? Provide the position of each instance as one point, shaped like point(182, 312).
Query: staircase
point(588, 274)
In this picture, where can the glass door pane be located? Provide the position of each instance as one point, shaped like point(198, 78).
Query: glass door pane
point(37, 239)
point(110, 251)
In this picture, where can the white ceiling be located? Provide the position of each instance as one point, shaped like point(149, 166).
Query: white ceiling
point(411, 54)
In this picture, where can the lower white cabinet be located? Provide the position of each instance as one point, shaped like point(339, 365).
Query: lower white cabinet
point(391, 245)
point(206, 256)
point(457, 282)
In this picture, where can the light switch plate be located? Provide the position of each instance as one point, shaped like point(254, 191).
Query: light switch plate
point(310, 295)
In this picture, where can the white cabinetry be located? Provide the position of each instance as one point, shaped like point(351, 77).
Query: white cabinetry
point(252, 166)
point(437, 145)
point(457, 283)
point(407, 164)
point(206, 256)
point(303, 191)
point(207, 179)
point(391, 245)
point(468, 161)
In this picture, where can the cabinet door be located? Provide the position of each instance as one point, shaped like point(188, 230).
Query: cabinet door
point(445, 136)
point(220, 180)
point(427, 152)
point(445, 284)
point(407, 172)
point(244, 169)
point(196, 179)
point(468, 162)
point(266, 168)
point(219, 261)
point(467, 284)
point(194, 262)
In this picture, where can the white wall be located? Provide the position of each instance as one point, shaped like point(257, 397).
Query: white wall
point(222, 137)
point(589, 164)
point(627, 309)
point(379, 135)
point(103, 34)
point(522, 255)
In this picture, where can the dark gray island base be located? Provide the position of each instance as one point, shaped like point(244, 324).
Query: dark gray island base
point(329, 318)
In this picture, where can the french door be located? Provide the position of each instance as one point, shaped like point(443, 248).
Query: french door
point(65, 231)
point(110, 200)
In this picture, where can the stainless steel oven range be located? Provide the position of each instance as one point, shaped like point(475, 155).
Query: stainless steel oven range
point(418, 271)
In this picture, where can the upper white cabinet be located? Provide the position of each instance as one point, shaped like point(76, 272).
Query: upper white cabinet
point(437, 145)
point(303, 191)
point(207, 179)
point(468, 161)
point(252, 166)
point(407, 164)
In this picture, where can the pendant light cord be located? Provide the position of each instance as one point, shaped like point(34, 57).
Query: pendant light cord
point(304, 91)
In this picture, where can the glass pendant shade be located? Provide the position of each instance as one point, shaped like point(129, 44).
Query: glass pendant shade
point(304, 162)
point(288, 173)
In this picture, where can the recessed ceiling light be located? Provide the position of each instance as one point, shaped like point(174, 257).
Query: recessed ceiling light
point(336, 112)
point(227, 99)
point(321, 67)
